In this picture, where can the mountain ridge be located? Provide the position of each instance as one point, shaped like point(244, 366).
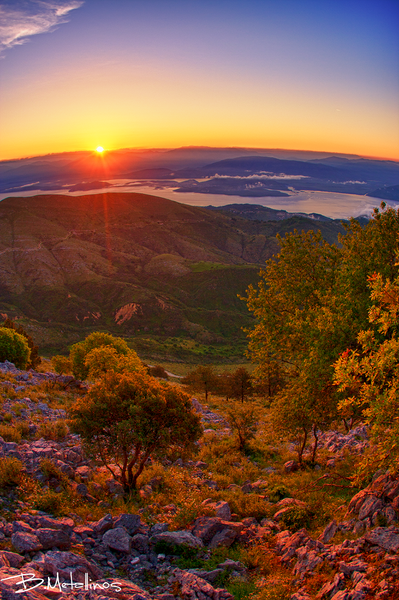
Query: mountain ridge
point(133, 263)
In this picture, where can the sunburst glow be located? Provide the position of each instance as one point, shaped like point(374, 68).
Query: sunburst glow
point(99, 149)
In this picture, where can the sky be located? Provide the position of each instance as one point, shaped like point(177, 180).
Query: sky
point(318, 75)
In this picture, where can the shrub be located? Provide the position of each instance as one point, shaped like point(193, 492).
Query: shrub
point(34, 360)
point(243, 421)
point(11, 470)
point(158, 371)
point(51, 471)
point(97, 362)
point(9, 433)
point(49, 502)
point(296, 518)
point(278, 492)
point(52, 430)
point(126, 418)
point(14, 348)
point(23, 428)
point(61, 364)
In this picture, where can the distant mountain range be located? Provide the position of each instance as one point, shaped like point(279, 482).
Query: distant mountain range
point(136, 265)
point(230, 171)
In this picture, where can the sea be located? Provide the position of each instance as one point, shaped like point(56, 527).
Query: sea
point(330, 204)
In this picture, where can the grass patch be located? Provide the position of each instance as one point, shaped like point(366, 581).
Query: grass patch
point(11, 470)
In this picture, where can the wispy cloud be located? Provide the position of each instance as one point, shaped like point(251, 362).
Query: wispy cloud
point(20, 19)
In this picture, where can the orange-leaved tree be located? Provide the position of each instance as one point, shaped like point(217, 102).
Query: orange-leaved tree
point(127, 417)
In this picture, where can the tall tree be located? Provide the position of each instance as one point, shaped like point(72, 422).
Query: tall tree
point(310, 305)
point(369, 375)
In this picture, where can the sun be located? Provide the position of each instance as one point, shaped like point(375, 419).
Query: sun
point(99, 149)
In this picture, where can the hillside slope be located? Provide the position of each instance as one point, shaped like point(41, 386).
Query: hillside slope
point(133, 264)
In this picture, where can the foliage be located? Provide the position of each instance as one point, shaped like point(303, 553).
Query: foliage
point(277, 492)
point(10, 471)
point(10, 433)
point(49, 501)
point(369, 375)
point(61, 364)
point(14, 348)
point(103, 359)
point(34, 358)
point(202, 379)
point(126, 418)
point(101, 352)
point(243, 420)
point(237, 385)
point(310, 305)
point(296, 518)
point(158, 371)
point(53, 430)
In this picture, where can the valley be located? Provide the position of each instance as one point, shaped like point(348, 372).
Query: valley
point(140, 266)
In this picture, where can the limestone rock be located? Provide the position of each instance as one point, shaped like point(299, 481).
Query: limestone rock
point(130, 522)
point(117, 539)
point(384, 537)
point(51, 538)
point(25, 542)
point(178, 538)
point(329, 532)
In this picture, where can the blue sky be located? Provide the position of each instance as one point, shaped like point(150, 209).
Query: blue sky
point(321, 75)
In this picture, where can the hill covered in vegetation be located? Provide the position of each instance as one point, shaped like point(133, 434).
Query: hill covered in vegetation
point(133, 264)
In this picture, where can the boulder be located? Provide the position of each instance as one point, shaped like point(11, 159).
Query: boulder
point(26, 542)
point(223, 538)
point(386, 538)
point(178, 538)
point(130, 522)
point(307, 561)
point(117, 539)
point(51, 538)
point(103, 524)
point(290, 466)
point(67, 565)
point(369, 506)
point(192, 586)
point(329, 532)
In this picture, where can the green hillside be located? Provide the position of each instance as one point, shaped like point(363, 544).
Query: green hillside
point(139, 266)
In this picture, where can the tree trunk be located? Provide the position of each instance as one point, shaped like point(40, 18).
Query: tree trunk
point(316, 440)
point(302, 446)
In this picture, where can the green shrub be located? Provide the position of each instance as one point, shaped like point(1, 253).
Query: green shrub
point(52, 430)
point(9, 433)
point(14, 348)
point(11, 470)
point(278, 492)
point(51, 471)
point(61, 364)
point(296, 518)
point(49, 502)
point(96, 340)
point(34, 359)
point(23, 428)
point(158, 371)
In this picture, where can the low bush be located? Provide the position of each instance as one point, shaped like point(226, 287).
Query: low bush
point(11, 470)
point(62, 364)
point(23, 428)
point(14, 348)
point(9, 433)
point(297, 518)
point(278, 492)
point(50, 502)
point(51, 471)
point(52, 430)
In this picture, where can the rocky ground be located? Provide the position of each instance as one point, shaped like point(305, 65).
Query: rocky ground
point(123, 556)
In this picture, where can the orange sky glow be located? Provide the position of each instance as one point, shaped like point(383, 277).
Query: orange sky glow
point(116, 75)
